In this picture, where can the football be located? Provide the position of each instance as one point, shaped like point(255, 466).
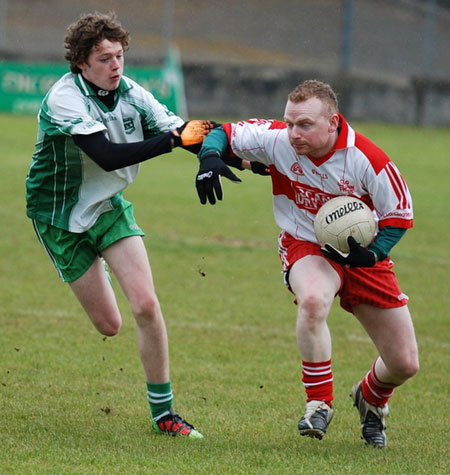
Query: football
point(341, 217)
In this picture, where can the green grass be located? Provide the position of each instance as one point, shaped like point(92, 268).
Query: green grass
point(74, 402)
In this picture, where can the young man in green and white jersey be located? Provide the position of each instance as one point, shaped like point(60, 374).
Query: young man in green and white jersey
point(95, 127)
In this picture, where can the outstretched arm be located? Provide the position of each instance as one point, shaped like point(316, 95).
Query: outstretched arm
point(112, 156)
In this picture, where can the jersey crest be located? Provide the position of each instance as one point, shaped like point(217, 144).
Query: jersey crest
point(128, 124)
point(297, 169)
point(345, 186)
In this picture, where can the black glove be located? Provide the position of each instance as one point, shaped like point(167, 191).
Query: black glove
point(235, 162)
point(256, 167)
point(207, 181)
point(259, 168)
point(358, 256)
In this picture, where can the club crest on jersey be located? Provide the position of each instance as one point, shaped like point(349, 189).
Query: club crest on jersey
point(344, 186)
point(128, 124)
point(297, 169)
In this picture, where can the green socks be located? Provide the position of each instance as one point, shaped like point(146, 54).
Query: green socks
point(160, 398)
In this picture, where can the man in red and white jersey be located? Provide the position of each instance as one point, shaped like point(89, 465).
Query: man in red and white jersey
point(313, 156)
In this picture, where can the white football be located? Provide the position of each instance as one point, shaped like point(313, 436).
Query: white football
point(341, 217)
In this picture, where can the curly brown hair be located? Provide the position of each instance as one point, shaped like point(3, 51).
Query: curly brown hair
point(90, 30)
point(314, 88)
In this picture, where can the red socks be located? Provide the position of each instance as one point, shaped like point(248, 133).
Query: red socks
point(374, 391)
point(318, 381)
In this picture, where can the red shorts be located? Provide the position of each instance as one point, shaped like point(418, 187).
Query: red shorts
point(376, 286)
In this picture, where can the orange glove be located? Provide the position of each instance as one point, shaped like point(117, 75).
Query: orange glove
point(192, 132)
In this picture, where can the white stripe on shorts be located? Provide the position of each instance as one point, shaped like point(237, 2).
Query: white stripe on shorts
point(47, 250)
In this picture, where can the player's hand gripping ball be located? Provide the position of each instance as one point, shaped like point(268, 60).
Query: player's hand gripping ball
point(342, 217)
point(358, 256)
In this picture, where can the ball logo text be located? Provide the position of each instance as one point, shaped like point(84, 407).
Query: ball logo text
point(343, 210)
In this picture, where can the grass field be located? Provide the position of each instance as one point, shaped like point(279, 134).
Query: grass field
point(72, 401)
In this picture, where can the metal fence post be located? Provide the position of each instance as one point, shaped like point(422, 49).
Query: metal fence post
point(3, 11)
point(430, 37)
point(346, 35)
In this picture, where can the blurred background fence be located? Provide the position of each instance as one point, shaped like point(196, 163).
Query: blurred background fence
point(389, 60)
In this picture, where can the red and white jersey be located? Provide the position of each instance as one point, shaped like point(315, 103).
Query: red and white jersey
point(301, 184)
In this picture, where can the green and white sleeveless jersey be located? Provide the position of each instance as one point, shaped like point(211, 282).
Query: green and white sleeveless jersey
point(67, 189)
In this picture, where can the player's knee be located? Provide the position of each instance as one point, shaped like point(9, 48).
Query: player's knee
point(411, 367)
point(110, 328)
point(313, 308)
point(146, 307)
point(406, 366)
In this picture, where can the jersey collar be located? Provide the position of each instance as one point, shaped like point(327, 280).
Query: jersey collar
point(346, 137)
point(86, 89)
